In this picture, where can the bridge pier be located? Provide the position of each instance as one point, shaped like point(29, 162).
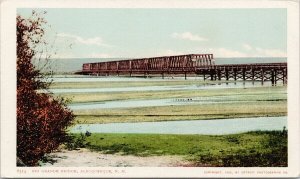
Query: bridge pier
point(262, 76)
point(212, 72)
point(226, 74)
point(219, 75)
point(234, 74)
point(273, 79)
point(270, 72)
point(275, 74)
point(244, 74)
point(284, 76)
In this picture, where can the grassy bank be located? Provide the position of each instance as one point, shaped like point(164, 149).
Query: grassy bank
point(262, 93)
point(185, 112)
point(260, 149)
point(236, 103)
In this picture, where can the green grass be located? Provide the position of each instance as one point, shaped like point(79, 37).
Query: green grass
point(238, 93)
point(238, 150)
point(185, 112)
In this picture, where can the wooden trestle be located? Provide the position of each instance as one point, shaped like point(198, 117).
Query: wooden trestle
point(255, 72)
point(201, 64)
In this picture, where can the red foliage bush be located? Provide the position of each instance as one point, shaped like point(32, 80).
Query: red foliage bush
point(41, 118)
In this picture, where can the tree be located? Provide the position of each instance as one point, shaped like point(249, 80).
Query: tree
point(41, 119)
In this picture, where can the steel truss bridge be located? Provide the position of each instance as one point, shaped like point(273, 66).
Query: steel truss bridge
point(200, 64)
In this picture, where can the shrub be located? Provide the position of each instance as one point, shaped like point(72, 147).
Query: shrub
point(41, 118)
point(75, 141)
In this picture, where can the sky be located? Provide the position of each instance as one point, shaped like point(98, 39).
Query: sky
point(133, 33)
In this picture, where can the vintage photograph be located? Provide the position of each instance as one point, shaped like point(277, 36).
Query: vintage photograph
point(151, 87)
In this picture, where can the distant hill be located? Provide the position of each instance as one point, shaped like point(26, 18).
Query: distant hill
point(244, 60)
point(69, 65)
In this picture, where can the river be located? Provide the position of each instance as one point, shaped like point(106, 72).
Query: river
point(159, 102)
point(206, 127)
point(165, 88)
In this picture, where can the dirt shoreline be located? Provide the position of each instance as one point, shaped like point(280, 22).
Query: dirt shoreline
point(86, 158)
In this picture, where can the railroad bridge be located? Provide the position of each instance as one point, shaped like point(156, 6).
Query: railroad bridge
point(200, 64)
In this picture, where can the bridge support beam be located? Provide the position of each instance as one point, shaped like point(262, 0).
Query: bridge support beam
point(212, 73)
point(262, 76)
point(244, 74)
point(226, 74)
point(219, 75)
point(271, 72)
point(275, 76)
point(273, 79)
point(284, 76)
point(234, 74)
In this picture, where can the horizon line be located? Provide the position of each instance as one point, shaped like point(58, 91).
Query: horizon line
point(144, 57)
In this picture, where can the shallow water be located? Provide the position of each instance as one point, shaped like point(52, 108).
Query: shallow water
point(85, 78)
point(206, 127)
point(154, 102)
point(164, 88)
point(135, 103)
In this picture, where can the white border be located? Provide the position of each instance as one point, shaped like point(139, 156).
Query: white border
point(8, 89)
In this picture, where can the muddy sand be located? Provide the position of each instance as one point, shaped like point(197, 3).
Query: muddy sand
point(87, 158)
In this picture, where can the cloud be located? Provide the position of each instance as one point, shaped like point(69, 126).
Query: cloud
point(220, 52)
point(247, 46)
point(86, 41)
point(65, 55)
point(250, 52)
point(224, 52)
point(169, 53)
point(99, 55)
point(230, 53)
point(92, 55)
point(260, 52)
point(188, 36)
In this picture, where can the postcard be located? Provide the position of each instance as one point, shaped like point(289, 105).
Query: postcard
point(156, 88)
